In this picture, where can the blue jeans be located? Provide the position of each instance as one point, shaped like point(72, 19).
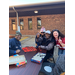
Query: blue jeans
point(61, 52)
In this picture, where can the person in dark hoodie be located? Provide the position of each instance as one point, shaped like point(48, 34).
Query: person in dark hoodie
point(39, 37)
point(48, 44)
point(15, 44)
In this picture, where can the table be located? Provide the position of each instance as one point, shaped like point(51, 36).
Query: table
point(31, 68)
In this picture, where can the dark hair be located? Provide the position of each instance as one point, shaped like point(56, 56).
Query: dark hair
point(60, 34)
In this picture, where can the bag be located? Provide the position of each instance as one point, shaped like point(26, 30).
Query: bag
point(46, 68)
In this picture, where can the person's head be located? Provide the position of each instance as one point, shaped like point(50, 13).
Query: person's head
point(42, 31)
point(47, 34)
point(56, 34)
point(38, 35)
point(18, 35)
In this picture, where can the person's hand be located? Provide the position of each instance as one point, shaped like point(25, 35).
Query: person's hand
point(18, 51)
point(38, 46)
point(60, 41)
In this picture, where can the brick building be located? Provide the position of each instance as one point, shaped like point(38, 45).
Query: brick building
point(30, 18)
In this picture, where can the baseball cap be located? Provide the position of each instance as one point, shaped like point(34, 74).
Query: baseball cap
point(18, 33)
point(48, 32)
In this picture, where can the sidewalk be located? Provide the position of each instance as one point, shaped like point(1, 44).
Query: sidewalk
point(29, 41)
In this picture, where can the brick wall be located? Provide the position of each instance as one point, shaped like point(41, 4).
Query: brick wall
point(11, 31)
point(50, 22)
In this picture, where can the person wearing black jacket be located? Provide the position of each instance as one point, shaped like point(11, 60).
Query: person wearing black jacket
point(39, 37)
point(48, 44)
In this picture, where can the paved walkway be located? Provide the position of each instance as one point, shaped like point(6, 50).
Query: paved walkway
point(28, 41)
point(23, 38)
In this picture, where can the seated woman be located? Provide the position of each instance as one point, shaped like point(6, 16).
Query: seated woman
point(39, 37)
point(60, 40)
point(48, 44)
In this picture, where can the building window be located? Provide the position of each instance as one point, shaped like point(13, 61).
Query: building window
point(38, 23)
point(13, 25)
point(21, 24)
point(30, 23)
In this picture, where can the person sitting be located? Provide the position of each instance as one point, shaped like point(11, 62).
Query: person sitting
point(60, 41)
point(48, 44)
point(15, 44)
point(39, 37)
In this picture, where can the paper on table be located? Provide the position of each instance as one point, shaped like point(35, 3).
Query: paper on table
point(38, 56)
point(16, 59)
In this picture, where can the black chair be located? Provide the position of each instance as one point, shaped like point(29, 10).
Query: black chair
point(43, 71)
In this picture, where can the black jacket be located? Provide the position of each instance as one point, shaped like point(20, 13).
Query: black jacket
point(48, 44)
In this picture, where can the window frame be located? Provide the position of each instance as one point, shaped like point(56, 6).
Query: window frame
point(28, 24)
point(20, 24)
point(37, 23)
point(13, 23)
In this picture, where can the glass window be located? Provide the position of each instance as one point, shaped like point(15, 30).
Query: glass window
point(38, 23)
point(13, 25)
point(30, 23)
point(21, 24)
